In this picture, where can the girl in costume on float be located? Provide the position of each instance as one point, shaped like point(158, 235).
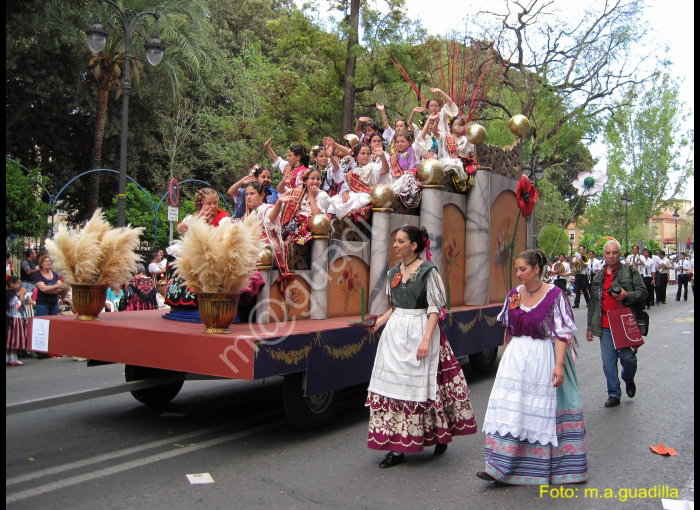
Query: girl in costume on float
point(403, 166)
point(390, 132)
point(359, 181)
point(257, 174)
point(535, 432)
point(206, 206)
point(268, 215)
point(417, 395)
point(376, 145)
point(338, 164)
point(15, 321)
point(296, 164)
point(309, 200)
point(457, 154)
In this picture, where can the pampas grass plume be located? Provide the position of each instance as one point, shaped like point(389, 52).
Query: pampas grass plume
point(96, 253)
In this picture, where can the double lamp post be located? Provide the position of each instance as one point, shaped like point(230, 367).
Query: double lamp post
point(97, 39)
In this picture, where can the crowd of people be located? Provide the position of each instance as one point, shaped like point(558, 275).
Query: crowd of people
point(574, 275)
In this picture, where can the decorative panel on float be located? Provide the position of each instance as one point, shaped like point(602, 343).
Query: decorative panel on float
point(347, 276)
point(454, 229)
point(299, 292)
point(504, 213)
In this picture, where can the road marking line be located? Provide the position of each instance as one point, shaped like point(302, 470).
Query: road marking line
point(100, 473)
point(121, 453)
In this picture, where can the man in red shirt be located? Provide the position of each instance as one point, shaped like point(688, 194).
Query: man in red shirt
point(616, 284)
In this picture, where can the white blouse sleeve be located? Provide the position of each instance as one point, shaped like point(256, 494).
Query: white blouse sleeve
point(563, 323)
point(388, 135)
point(280, 164)
point(323, 201)
point(435, 291)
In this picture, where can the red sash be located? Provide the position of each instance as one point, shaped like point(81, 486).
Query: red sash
point(289, 209)
point(452, 146)
point(395, 168)
point(356, 184)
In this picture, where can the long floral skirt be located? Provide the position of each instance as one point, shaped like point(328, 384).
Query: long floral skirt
point(521, 462)
point(403, 426)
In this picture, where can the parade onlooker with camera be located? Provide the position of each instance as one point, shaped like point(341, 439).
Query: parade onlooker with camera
point(616, 285)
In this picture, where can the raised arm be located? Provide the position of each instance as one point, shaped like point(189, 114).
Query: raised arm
point(358, 125)
point(275, 211)
point(270, 152)
point(448, 99)
point(378, 151)
point(233, 190)
point(417, 109)
point(380, 107)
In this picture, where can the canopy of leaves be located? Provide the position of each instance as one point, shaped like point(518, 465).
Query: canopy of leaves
point(25, 213)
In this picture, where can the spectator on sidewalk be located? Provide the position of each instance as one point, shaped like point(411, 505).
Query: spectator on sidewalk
point(29, 271)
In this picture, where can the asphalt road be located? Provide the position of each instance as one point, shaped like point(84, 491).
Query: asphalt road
point(112, 452)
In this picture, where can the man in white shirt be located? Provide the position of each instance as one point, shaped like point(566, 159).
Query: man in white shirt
point(682, 268)
point(562, 277)
point(663, 265)
point(594, 265)
point(648, 272)
point(581, 279)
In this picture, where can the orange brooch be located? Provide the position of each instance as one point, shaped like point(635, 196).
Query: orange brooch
point(395, 282)
point(514, 301)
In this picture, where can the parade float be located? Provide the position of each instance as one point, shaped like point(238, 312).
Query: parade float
point(304, 324)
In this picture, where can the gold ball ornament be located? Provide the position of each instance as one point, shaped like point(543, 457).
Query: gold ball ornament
point(319, 225)
point(476, 134)
point(519, 125)
point(430, 171)
point(352, 139)
point(382, 196)
point(265, 257)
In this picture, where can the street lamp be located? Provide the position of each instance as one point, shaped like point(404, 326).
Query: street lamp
point(675, 218)
point(534, 176)
point(97, 39)
point(626, 200)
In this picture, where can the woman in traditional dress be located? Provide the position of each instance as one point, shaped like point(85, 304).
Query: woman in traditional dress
point(15, 321)
point(417, 396)
point(141, 292)
point(359, 181)
point(268, 215)
point(309, 200)
point(535, 432)
point(206, 205)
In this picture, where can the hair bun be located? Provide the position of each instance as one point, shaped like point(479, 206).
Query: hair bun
point(424, 232)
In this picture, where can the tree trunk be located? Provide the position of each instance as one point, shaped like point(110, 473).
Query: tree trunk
point(348, 119)
point(96, 159)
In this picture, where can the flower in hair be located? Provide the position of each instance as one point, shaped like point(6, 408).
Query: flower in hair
point(526, 195)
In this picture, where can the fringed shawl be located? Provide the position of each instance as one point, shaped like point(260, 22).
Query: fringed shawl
point(541, 321)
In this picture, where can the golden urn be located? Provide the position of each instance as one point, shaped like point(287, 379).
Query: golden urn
point(352, 139)
point(430, 172)
point(217, 310)
point(319, 225)
point(88, 300)
point(476, 134)
point(382, 196)
point(519, 125)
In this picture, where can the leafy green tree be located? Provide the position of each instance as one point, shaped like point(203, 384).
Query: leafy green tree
point(548, 236)
point(25, 213)
point(648, 147)
point(551, 209)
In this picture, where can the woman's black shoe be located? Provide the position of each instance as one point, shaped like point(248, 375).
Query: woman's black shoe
point(440, 448)
point(485, 476)
point(391, 460)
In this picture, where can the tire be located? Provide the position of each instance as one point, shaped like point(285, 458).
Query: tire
point(308, 412)
point(158, 395)
point(482, 362)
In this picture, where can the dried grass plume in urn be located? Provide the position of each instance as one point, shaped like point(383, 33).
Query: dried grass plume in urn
point(93, 258)
point(217, 263)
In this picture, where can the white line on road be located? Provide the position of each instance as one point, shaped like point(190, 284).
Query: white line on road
point(18, 496)
point(122, 453)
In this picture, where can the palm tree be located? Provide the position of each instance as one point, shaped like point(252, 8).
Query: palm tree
point(190, 53)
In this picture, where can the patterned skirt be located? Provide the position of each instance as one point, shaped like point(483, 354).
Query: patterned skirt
point(521, 462)
point(403, 426)
point(16, 334)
